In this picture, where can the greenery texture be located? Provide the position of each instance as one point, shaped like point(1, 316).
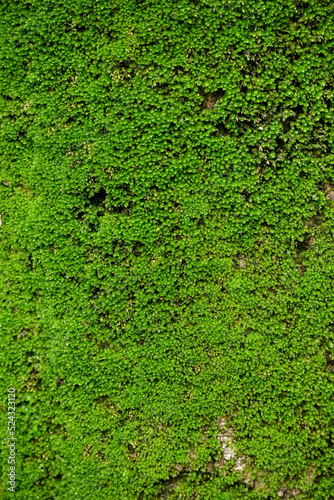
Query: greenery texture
point(167, 249)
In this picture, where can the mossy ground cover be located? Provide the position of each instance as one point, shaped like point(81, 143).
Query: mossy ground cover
point(167, 248)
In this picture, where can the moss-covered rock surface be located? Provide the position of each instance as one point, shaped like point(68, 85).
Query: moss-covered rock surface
point(167, 250)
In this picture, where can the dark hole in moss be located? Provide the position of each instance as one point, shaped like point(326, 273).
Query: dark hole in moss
point(99, 197)
point(280, 143)
point(301, 245)
point(125, 64)
point(221, 129)
point(246, 195)
point(119, 210)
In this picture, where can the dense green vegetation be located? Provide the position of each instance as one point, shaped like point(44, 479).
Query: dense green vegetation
point(167, 249)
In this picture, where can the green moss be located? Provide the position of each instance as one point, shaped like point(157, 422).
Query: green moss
point(167, 251)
